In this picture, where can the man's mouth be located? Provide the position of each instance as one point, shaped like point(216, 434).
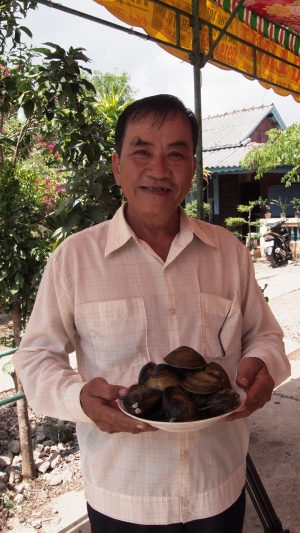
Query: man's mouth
point(156, 189)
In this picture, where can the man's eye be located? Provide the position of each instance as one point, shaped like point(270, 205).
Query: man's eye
point(175, 154)
point(141, 152)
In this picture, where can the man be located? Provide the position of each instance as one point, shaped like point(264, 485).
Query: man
point(129, 291)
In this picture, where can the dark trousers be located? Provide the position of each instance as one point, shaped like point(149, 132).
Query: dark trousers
point(230, 521)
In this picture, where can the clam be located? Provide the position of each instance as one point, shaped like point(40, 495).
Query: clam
point(223, 401)
point(163, 376)
point(145, 372)
point(141, 402)
point(202, 382)
point(178, 405)
point(185, 357)
point(218, 368)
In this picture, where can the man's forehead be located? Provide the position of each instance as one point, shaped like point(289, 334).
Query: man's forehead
point(141, 125)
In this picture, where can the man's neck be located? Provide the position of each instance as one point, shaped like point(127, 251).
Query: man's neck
point(157, 232)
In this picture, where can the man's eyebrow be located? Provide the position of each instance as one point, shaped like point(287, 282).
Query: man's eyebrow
point(178, 144)
point(137, 141)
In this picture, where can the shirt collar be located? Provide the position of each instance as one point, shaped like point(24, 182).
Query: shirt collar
point(119, 232)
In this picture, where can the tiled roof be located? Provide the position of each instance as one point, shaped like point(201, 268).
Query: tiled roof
point(234, 128)
point(226, 159)
point(226, 138)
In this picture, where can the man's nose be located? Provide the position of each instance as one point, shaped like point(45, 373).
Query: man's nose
point(159, 167)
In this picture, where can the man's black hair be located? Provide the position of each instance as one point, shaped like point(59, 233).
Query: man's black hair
point(159, 106)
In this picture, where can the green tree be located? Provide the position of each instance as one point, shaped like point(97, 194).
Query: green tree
point(282, 148)
point(108, 82)
point(233, 222)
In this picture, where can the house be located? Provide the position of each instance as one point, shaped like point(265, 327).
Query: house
point(226, 141)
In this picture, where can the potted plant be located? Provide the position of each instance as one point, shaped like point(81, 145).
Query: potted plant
point(283, 204)
point(264, 203)
point(295, 202)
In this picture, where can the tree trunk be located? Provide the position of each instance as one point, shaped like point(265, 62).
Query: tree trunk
point(17, 323)
point(28, 465)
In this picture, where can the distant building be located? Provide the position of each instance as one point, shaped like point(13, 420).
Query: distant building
point(226, 141)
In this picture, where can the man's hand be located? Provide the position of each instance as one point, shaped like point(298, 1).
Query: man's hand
point(254, 378)
point(98, 401)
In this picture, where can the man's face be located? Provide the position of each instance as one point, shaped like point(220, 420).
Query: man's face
point(156, 166)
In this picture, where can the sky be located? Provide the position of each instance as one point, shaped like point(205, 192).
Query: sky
point(151, 69)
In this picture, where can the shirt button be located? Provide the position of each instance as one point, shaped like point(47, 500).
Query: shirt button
point(184, 453)
point(186, 503)
point(172, 311)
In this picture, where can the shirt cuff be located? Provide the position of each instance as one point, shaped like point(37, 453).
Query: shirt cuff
point(73, 405)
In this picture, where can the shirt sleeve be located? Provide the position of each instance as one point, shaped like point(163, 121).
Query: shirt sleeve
point(51, 385)
point(262, 335)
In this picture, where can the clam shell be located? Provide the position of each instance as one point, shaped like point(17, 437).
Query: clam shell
point(141, 402)
point(163, 376)
point(178, 405)
point(226, 384)
point(224, 401)
point(185, 357)
point(145, 372)
point(202, 382)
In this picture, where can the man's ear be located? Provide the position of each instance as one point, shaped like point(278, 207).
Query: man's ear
point(115, 161)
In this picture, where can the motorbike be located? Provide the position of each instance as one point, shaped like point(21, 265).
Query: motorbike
point(277, 244)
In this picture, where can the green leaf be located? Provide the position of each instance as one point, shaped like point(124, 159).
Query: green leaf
point(96, 190)
point(63, 204)
point(71, 221)
point(45, 51)
point(8, 368)
point(23, 86)
point(28, 107)
point(26, 30)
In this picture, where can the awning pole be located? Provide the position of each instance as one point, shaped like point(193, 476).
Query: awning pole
point(196, 61)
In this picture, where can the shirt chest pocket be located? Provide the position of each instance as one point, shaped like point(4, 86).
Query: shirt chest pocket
point(221, 323)
point(117, 332)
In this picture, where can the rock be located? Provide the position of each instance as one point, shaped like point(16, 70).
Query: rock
point(56, 480)
point(54, 459)
point(15, 477)
point(21, 488)
point(6, 458)
point(40, 436)
point(36, 524)
point(14, 446)
point(4, 477)
point(49, 443)
point(3, 487)
point(36, 454)
point(3, 434)
point(33, 426)
point(19, 498)
point(43, 466)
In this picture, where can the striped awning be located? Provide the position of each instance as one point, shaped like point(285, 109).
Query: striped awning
point(277, 20)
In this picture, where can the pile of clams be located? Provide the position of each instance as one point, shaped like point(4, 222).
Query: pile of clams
point(183, 389)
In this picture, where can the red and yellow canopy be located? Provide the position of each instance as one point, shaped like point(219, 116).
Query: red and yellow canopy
point(262, 41)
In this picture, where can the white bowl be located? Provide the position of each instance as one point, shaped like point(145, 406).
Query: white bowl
point(176, 427)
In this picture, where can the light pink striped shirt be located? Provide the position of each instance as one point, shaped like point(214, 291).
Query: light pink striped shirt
point(109, 297)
